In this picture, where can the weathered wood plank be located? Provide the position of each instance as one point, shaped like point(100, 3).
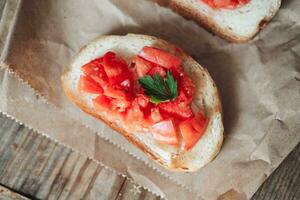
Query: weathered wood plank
point(284, 183)
point(38, 167)
point(40, 184)
point(6, 194)
point(107, 189)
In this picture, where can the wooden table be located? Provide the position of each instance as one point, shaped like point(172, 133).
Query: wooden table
point(34, 167)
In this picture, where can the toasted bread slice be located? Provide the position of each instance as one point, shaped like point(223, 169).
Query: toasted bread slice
point(206, 97)
point(236, 25)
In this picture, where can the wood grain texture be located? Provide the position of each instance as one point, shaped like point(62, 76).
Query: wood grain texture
point(39, 168)
point(284, 183)
point(7, 194)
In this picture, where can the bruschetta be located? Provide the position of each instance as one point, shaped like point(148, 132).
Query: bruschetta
point(234, 20)
point(152, 93)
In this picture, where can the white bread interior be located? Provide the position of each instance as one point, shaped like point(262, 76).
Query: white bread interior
point(206, 96)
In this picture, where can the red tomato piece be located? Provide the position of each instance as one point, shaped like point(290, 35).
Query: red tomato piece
point(112, 65)
point(210, 3)
point(89, 68)
point(176, 73)
point(116, 69)
point(120, 104)
point(176, 109)
point(119, 79)
point(160, 57)
point(88, 85)
point(102, 82)
point(193, 129)
point(165, 132)
point(157, 70)
point(102, 103)
point(133, 74)
point(189, 134)
point(126, 84)
point(95, 70)
point(92, 67)
point(142, 100)
point(155, 116)
point(187, 87)
point(116, 93)
point(135, 114)
point(142, 66)
point(225, 3)
point(182, 97)
point(199, 122)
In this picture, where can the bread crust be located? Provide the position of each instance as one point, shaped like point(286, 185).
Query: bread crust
point(176, 165)
point(210, 25)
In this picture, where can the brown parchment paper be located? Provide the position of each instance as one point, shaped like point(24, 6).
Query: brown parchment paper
point(258, 81)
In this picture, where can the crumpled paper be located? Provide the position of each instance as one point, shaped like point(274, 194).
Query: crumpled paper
point(259, 84)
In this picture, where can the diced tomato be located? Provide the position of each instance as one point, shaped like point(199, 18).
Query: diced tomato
point(89, 69)
point(225, 3)
point(120, 104)
point(102, 82)
point(193, 129)
point(95, 70)
point(102, 103)
point(92, 67)
point(165, 132)
point(238, 3)
point(116, 69)
point(157, 70)
point(116, 93)
point(160, 57)
point(119, 79)
point(126, 83)
point(88, 85)
point(176, 109)
point(182, 97)
point(187, 86)
point(189, 134)
point(142, 100)
point(142, 66)
point(200, 121)
point(176, 73)
point(128, 86)
point(135, 114)
point(155, 116)
point(113, 66)
point(133, 74)
point(210, 3)
point(121, 96)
